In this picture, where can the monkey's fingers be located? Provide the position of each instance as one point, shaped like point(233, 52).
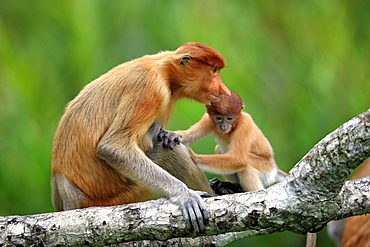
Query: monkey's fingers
point(186, 213)
point(193, 209)
point(170, 140)
point(196, 218)
point(204, 213)
point(193, 220)
point(196, 215)
point(177, 140)
point(161, 135)
point(167, 143)
point(201, 207)
point(202, 194)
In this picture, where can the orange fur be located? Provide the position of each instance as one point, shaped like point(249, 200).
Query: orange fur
point(226, 106)
point(100, 143)
point(243, 153)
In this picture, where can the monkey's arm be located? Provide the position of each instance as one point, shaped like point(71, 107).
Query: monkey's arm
point(196, 132)
point(119, 147)
point(236, 156)
point(132, 162)
point(219, 163)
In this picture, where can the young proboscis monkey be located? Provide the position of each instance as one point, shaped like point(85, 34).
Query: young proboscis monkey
point(243, 154)
point(105, 150)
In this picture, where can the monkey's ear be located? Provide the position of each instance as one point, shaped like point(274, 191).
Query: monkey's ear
point(185, 60)
point(243, 105)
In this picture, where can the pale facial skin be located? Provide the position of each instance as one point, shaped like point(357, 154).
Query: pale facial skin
point(223, 122)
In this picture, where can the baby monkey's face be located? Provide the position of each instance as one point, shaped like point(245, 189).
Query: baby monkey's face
point(224, 123)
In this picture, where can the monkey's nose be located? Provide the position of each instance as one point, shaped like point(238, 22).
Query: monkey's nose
point(224, 90)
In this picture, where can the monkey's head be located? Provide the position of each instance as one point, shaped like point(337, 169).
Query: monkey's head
point(225, 111)
point(197, 72)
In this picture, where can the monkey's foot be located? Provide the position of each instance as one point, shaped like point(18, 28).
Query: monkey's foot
point(224, 188)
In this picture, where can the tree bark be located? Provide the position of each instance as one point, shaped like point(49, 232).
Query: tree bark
point(314, 193)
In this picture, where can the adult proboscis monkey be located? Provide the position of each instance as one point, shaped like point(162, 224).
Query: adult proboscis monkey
point(103, 151)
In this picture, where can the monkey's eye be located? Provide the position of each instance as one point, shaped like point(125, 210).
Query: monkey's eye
point(230, 118)
point(218, 118)
point(185, 59)
point(214, 70)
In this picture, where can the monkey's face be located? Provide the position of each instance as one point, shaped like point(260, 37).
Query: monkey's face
point(210, 85)
point(199, 72)
point(223, 123)
point(203, 83)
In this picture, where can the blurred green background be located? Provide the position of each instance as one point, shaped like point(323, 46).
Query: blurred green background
point(301, 67)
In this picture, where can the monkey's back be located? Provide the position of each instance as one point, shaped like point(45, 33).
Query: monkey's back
point(259, 143)
point(86, 119)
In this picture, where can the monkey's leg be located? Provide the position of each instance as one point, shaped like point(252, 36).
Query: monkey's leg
point(65, 194)
point(233, 178)
point(250, 179)
point(280, 175)
point(267, 169)
point(179, 164)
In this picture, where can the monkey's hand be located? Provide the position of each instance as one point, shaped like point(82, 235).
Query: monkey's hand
point(193, 209)
point(168, 138)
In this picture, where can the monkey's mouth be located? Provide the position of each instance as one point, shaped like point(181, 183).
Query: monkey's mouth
point(224, 131)
point(214, 98)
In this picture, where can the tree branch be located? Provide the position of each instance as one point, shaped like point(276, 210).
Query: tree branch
point(305, 201)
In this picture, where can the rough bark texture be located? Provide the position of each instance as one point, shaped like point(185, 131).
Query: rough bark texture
point(312, 195)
